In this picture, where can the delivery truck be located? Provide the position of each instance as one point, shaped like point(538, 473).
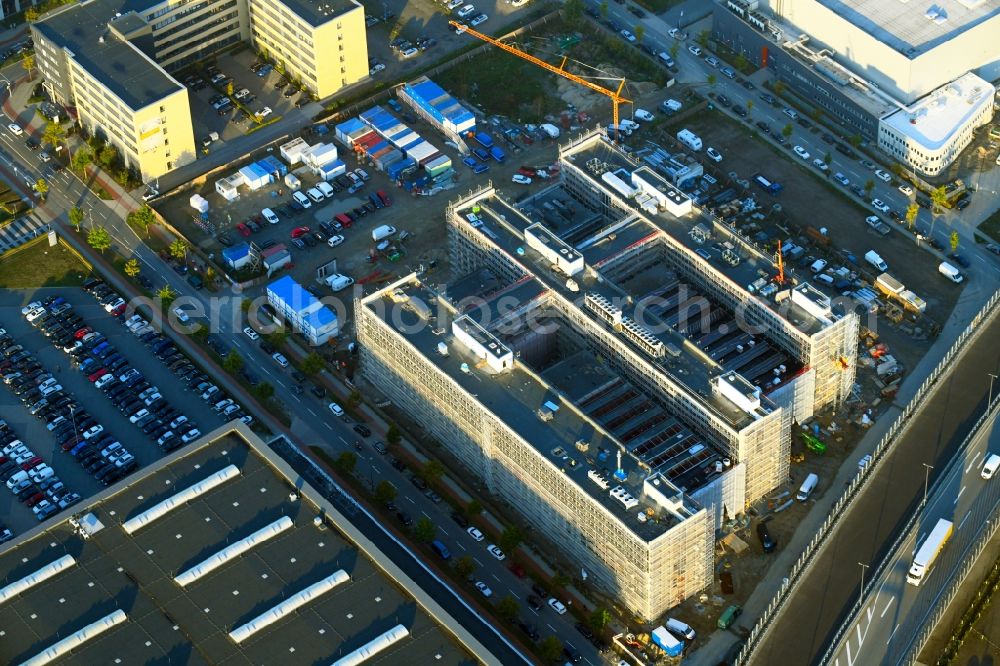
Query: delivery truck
point(923, 561)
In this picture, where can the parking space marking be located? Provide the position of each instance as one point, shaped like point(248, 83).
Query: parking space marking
point(476, 560)
point(959, 495)
point(411, 500)
point(497, 578)
point(515, 594)
point(550, 627)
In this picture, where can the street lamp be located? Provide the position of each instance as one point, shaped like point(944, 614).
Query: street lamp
point(989, 400)
point(72, 416)
point(927, 476)
point(861, 595)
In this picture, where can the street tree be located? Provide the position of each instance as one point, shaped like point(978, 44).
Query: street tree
point(508, 608)
point(167, 295)
point(741, 62)
point(702, 38)
point(749, 105)
point(953, 239)
point(675, 48)
point(869, 186)
point(264, 390)
point(346, 462)
point(431, 471)
point(425, 530)
point(179, 250)
point(132, 268)
point(42, 187)
point(939, 197)
point(76, 217)
point(474, 507)
point(53, 135)
point(599, 619)
point(511, 539)
point(551, 649)
point(393, 435)
point(828, 158)
point(712, 80)
point(385, 492)
point(604, 9)
point(779, 87)
point(82, 158)
point(28, 63)
point(312, 363)
point(787, 130)
point(233, 362)
point(464, 566)
point(855, 140)
point(31, 14)
point(142, 217)
point(911, 214)
point(277, 338)
point(573, 10)
point(99, 239)
point(639, 31)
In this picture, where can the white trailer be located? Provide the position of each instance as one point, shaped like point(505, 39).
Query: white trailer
point(689, 139)
point(928, 551)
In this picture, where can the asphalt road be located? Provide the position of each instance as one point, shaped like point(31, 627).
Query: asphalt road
point(894, 611)
point(313, 424)
point(827, 592)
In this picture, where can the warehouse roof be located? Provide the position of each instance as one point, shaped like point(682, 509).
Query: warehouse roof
point(934, 119)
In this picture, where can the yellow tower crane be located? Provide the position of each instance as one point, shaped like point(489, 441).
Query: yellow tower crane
point(615, 95)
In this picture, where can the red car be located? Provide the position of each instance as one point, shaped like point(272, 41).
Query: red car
point(118, 310)
point(70, 443)
point(32, 464)
point(34, 499)
point(97, 375)
point(385, 198)
point(243, 229)
point(82, 332)
point(299, 231)
point(525, 171)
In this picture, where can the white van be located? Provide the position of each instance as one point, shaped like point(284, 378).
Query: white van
point(873, 258)
point(325, 188)
point(301, 199)
point(384, 231)
point(990, 466)
point(680, 628)
point(671, 105)
point(339, 282)
point(292, 181)
point(807, 487)
point(665, 58)
point(950, 272)
point(270, 216)
point(315, 195)
point(17, 478)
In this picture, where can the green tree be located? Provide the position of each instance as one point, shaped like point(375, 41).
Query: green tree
point(31, 14)
point(675, 48)
point(551, 648)
point(828, 158)
point(99, 239)
point(200, 333)
point(76, 216)
point(142, 217)
point(166, 294)
point(779, 87)
point(511, 539)
point(741, 62)
point(474, 507)
point(392, 435)
point(787, 130)
point(107, 156)
point(911, 214)
point(179, 250)
point(604, 9)
point(233, 362)
point(464, 566)
point(82, 158)
point(639, 31)
point(749, 105)
point(277, 338)
point(312, 363)
point(573, 10)
point(53, 135)
point(431, 471)
point(869, 186)
point(425, 530)
point(28, 63)
point(855, 140)
point(42, 187)
point(939, 197)
point(508, 608)
point(599, 619)
point(560, 580)
point(346, 462)
point(132, 267)
point(712, 79)
point(385, 492)
point(953, 240)
point(264, 390)
point(702, 38)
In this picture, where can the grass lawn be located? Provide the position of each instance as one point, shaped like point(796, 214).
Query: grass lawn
point(42, 266)
point(991, 226)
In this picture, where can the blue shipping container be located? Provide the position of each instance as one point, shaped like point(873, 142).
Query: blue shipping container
point(497, 154)
point(484, 140)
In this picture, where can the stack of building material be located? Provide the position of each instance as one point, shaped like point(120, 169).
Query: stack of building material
point(199, 203)
point(436, 106)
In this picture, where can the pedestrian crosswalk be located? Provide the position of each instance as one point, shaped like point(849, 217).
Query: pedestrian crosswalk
point(20, 231)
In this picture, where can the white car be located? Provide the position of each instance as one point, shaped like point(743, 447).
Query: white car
point(801, 152)
point(93, 431)
point(240, 94)
point(713, 154)
point(695, 50)
point(270, 216)
point(478, 20)
point(643, 115)
point(15, 129)
point(335, 409)
point(138, 415)
point(466, 11)
point(379, 67)
point(906, 189)
point(409, 53)
point(280, 359)
point(820, 164)
point(884, 176)
point(880, 206)
point(495, 551)
point(335, 240)
point(842, 179)
point(676, 33)
point(191, 435)
point(475, 533)
point(250, 333)
point(521, 179)
point(182, 316)
point(484, 588)
point(629, 37)
point(265, 112)
point(35, 314)
point(453, 4)
point(557, 606)
point(104, 381)
point(34, 305)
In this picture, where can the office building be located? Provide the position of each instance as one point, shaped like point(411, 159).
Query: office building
point(876, 66)
point(113, 61)
point(620, 389)
point(302, 311)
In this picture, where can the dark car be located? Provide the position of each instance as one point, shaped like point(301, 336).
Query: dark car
point(362, 430)
point(767, 542)
point(959, 259)
point(584, 630)
point(459, 519)
point(404, 518)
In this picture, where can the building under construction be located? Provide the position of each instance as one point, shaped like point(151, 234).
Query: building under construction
point(603, 368)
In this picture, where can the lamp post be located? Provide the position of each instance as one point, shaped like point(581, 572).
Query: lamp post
point(72, 416)
point(861, 595)
point(989, 400)
point(927, 476)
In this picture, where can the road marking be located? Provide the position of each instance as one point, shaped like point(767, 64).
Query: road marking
point(860, 639)
point(973, 462)
point(342, 439)
point(411, 500)
point(887, 604)
point(312, 412)
point(959, 495)
point(892, 634)
point(967, 514)
point(497, 577)
point(533, 610)
point(461, 546)
point(516, 595)
point(476, 560)
point(571, 645)
point(443, 531)
point(850, 659)
point(328, 426)
point(425, 513)
point(550, 627)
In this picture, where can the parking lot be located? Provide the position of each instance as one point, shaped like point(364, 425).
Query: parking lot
point(86, 406)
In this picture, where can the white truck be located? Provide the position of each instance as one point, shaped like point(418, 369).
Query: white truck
point(689, 139)
point(928, 552)
point(382, 232)
point(873, 258)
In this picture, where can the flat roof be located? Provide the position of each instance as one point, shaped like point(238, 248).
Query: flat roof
point(566, 437)
point(913, 28)
point(318, 12)
point(121, 66)
point(934, 118)
point(191, 624)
